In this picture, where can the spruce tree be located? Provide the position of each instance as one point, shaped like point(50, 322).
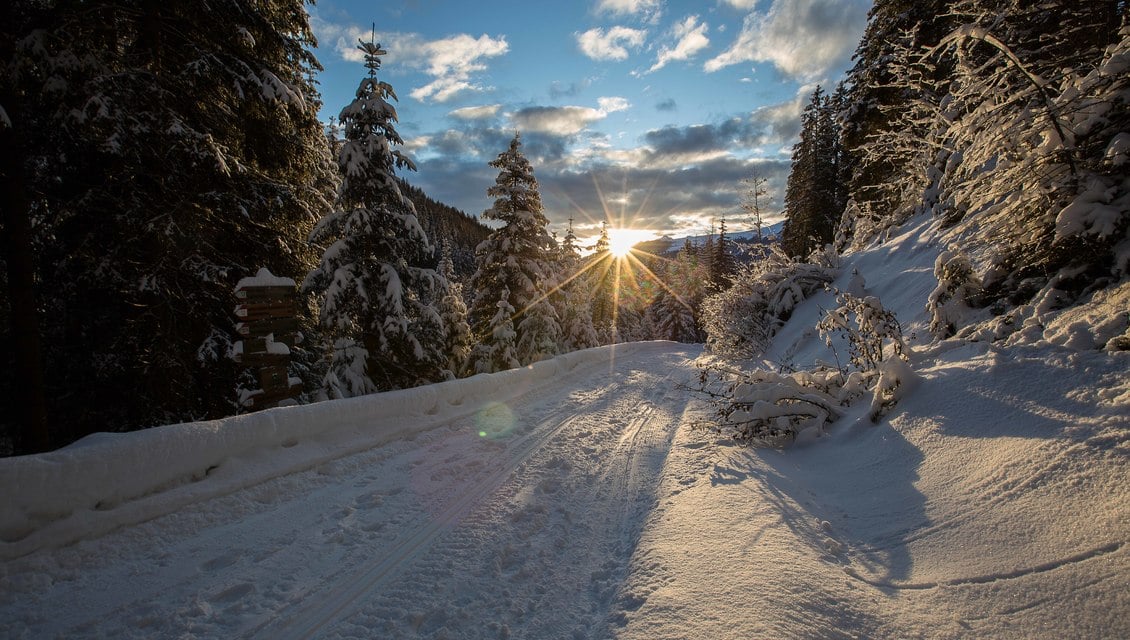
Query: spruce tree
point(378, 296)
point(165, 153)
point(814, 196)
point(604, 274)
point(722, 263)
point(498, 351)
point(458, 338)
point(517, 258)
point(571, 298)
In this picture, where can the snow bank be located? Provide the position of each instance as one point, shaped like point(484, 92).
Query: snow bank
point(106, 480)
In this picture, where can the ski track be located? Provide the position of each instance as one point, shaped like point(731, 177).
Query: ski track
point(341, 550)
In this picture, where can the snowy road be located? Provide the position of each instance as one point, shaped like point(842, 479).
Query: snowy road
point(514, 519)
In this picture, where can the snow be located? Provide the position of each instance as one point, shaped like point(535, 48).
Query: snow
point(264, 278)
point(573, 499)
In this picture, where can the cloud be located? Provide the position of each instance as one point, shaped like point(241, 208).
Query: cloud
point(678, 201)
point(452, 62)
point(773, 125)
point(483, 112)
point(613, 104)
point(599, 44)
point(742, 5)
point(690, 38)
point(649, 9)
point(558, 89)
point(802, 38)
point(666, 105)
point(565, 121)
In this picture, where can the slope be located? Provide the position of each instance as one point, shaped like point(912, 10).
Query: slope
point(992, 502)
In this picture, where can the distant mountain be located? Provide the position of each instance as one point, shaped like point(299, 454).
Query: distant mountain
point(667, 244)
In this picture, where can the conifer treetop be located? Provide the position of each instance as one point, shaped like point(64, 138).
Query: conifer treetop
point(373, 52)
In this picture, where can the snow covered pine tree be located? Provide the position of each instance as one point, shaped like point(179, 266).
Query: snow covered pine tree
point(378, 297)
point(164, 152)
point(516, 258)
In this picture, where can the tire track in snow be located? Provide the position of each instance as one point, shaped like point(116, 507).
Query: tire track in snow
point(344, 596)
point(992, 577)
point(545, 555)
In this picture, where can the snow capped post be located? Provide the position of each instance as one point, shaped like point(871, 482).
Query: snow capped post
point(267, 311)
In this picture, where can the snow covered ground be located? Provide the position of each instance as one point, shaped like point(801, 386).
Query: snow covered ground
point(573, 499)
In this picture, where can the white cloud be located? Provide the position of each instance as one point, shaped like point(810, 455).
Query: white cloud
point(741, 5)
point(599, 44)
point(629, 7)
point(452, 62)
point(476, 113)
point(613, 104)
point(568, 120)
point(481, 112)
point(802, 38)
point(690, 38)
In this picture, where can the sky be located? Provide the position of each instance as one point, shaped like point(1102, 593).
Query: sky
point(647, 114)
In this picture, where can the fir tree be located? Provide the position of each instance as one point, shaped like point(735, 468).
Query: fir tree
point(814, 197)
point(164, 152)
point(571, 298)
point(458, 338)
point(722, 263)
point(874, 100)
point(604, 277)
point(517, 258)
point(499, 351)
point(377, 294)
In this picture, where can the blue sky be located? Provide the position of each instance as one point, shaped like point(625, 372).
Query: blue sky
point(645, 113)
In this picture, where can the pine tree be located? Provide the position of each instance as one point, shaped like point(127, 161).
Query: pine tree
point(499, 351)
point(722, 263)
point(875, 106)
point(166, 152)
point(377, 294)
point(814, 197)
point(458, 338)
point(989, 124)
point(571, 300)
point(516, 258)
point(604, 278)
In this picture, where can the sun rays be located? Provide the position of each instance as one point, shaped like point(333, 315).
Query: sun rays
point(624, 278)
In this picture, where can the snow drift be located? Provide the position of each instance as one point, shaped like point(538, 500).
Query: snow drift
point(95, 484)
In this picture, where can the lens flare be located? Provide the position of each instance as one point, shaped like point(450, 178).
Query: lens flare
point(493, 421)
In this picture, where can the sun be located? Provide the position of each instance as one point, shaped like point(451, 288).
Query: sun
point(621, 241)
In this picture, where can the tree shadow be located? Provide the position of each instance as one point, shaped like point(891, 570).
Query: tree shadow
point(853, 501)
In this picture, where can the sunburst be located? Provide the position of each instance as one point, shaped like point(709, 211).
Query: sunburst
point(621, 241)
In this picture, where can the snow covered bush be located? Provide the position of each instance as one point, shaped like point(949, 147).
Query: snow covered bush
point(770, 409)
point(949, 301)
point(876, 347)
point(871, 331)
point(740, 321)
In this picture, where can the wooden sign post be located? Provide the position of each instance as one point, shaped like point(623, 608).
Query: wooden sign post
point(267, 309)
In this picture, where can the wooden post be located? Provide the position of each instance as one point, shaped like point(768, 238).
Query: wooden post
point(266, 308)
